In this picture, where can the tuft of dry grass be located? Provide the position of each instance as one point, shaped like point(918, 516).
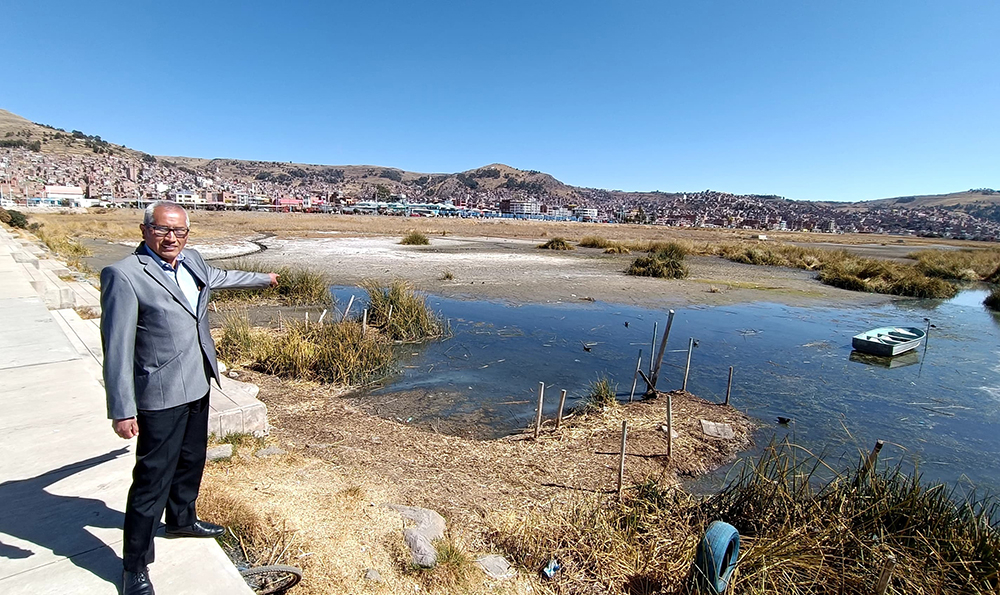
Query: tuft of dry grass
point(665, 260)
point(556, 244)
point(296, 287)
point(338, 353)
point(400, 313)
point(415, 238)
point(617, 249)
point(602, 395)
point(960, 265)
point(595, 242)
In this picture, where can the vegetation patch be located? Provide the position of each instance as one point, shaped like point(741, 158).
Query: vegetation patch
point(960, 265)
point(617, 249)
point(882, 276)
point(338, 353)
point(296, 287)
point(556, 244)
point(602, 395)
point(664, 260)
point(804, 529)
point(400, 313)
point(992, 300)
point(595, 242)
point(415, 238)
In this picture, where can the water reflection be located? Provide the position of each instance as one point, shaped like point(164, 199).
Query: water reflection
point(793, 362)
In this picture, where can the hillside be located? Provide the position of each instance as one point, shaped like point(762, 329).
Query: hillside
point(16, 131)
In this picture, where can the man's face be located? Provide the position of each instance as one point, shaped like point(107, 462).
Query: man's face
point(168, 246)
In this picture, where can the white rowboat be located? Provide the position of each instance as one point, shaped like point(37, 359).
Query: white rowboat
point(888, 340)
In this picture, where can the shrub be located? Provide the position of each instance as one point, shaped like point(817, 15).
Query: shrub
point(992, 300)
point(400, 313)
point(415, 238)
point(665, 261)
point(17, 219)
point(4, 216)
point(556, 244)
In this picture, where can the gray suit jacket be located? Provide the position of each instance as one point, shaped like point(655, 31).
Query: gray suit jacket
point(157, 352)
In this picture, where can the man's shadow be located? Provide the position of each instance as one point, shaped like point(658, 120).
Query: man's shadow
point(59, 523)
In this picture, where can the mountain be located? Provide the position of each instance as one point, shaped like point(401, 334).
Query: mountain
point(16, 131)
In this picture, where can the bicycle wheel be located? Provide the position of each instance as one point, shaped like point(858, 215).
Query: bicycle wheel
point(276, 578)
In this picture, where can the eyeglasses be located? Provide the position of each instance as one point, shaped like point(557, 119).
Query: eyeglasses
point(161, 231)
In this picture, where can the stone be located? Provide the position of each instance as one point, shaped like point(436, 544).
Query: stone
point(422, 551)
point(717, 430)
point(496, 567)
point(270, 451)
point(673, 433)
point(430, 527)
point(373, 575)
point(222, 366)
point(222, 451)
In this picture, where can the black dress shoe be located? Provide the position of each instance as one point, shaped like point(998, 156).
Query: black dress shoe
point(198, 529)
point(137, 583)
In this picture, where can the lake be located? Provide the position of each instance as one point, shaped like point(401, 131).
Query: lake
point(936, 409)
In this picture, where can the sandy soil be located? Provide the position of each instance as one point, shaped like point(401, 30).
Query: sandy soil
point(518, 271)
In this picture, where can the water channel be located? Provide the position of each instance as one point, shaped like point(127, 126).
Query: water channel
point(936, 409)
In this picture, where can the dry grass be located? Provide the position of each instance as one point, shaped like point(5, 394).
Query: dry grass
point(400, 313)
point(415, 238)
point(804, 530)
point(961, 265)
point(601, 397)
point(339, 353)
point(556, 244)
point(665, 260)
point(296, 287)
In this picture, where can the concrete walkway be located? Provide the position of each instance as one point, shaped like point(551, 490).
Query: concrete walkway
point(64, 474)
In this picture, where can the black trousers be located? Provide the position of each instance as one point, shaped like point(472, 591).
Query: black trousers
point(169, 461)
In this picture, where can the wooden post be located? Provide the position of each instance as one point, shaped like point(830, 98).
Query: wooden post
point(280, 326)
point(872, 457)
point(562, 403)
point(538, 416)
point(364, 321)
point(663, 347)
point(670, 425)
point(687, 367)
point(347, 309)
point(307, 320)
point(729, 387)
point(322, 316)
point(652, 348)
point(635, 377)
point(883, 579)
point(621, 458)
point(388, 316)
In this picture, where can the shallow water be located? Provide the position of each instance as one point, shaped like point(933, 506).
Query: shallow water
point(937, 409)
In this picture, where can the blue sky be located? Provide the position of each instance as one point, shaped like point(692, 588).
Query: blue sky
point(848, 100)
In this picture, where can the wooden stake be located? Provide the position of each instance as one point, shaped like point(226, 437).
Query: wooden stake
point(621, 458)
point(322, 316)
point(538, 416)
point(307, 319)
point(663, 348)
point(687, 367)
point(670, 425)
point(562, 403)
point(279, 321)
point(347, 309)
point(873, 457)
point(389, 316)
point(635, 377)
point(364, 321)
point(729, 387)
point(883, 579)
point(652, 348)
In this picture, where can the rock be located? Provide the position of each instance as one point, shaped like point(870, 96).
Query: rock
point(233, 374)
point(421, 548)
point(222, 367)
point(270, 451)
point(373, 575)
point(496, 567)
point(222, 451)
point(673, 433)
point(430, 527)
point(717, 430)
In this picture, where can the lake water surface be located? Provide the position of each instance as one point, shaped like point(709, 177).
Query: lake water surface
point(937, 409)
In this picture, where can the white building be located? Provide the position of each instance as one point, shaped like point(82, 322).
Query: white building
point(585, 214)
point(72, 196)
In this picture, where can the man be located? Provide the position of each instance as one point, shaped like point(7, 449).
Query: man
point(158, 360)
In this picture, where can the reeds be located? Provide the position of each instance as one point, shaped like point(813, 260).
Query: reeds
point(415, 238)
point(665, 260)
point(961, 265)
point(400, 313)
point(804, 530)
point(556, 244)
point(296, 287)
point(338, 353)
point(595, 242)
point(602, 396)
point(882, 276)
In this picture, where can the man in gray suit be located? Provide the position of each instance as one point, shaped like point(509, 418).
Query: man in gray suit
point(158, 360)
